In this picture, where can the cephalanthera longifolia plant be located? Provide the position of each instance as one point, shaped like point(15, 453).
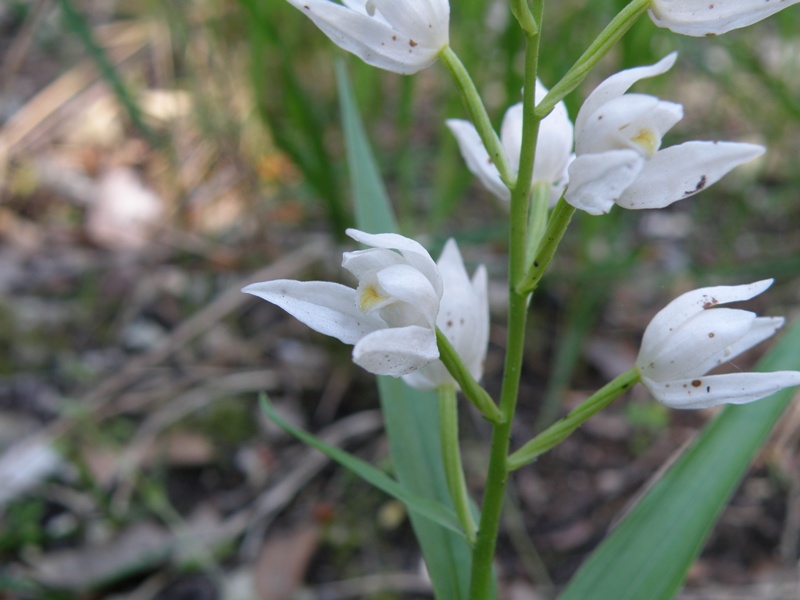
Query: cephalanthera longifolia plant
point(427, 321)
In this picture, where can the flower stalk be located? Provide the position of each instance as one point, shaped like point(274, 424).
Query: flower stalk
point(556, 227)
point(477, 114)
point(522, 12)
point(453, 466)
point(471, 388)
point(562, 429)
point(593, 54)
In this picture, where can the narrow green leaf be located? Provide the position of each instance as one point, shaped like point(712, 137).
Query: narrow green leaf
point(435, 511)
point(372, 207)
point(651, 551)
point(411, 416)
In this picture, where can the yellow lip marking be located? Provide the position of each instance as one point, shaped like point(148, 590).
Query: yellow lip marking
point(647, 140)
point(369, 298)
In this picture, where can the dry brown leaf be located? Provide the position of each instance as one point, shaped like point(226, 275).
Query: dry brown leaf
point(282, 563)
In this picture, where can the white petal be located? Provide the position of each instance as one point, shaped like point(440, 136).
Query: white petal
point(396, 351)
point(480, 341)
point(634, 121)
point(692, 17)
point(362, 262)
point(424, 21)
point(711, 390)
point(329, 308)
point(761, 329)
point(463, 314)
point(681, 171)
point(371, 39)
point(553, 147)
point(477, 158)
point(511, 134)
point(408, 285)
point(463, 318)
point(618, 84)
point(411, 250)
point(691, 303)
point(596, 181)
point(429, 377)
point(695, 345)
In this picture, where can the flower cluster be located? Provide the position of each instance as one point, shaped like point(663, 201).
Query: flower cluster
point(402, 296)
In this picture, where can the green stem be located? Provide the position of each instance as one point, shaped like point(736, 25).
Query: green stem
point(596, 51)
point(524, 16)
point(478, 115)
point(497, 477)
point(560, 430)
point(492, 507)
point(471, 388)
point(556, 227)
point(453, 467)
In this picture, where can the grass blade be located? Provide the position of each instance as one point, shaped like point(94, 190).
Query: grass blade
point(425, 507)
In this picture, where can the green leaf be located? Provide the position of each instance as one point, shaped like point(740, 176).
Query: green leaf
point(435, 511)
point(372, 207)
point(651, 551)
point(411, 416)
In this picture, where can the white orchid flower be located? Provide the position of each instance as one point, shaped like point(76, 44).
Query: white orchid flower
point(403, 36)
point(685, 340)
point(553, 148)
point(390, 318)
point(463, 318)
point(703, 17)
point(619, 160)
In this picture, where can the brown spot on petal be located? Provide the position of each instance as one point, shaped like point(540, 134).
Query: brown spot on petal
point(711, 334)
point(697, 383)
point(700, 185)
point(412, 43)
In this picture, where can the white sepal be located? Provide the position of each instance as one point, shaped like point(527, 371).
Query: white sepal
point(712, 390)
point(390, 318)
point(681, 171)
point(700, 18)
point(403, 36)
point(463, 318)
point(396, 351)
point(477, 158)
point(553, 148)
point(598, 180)
point(328, 308)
